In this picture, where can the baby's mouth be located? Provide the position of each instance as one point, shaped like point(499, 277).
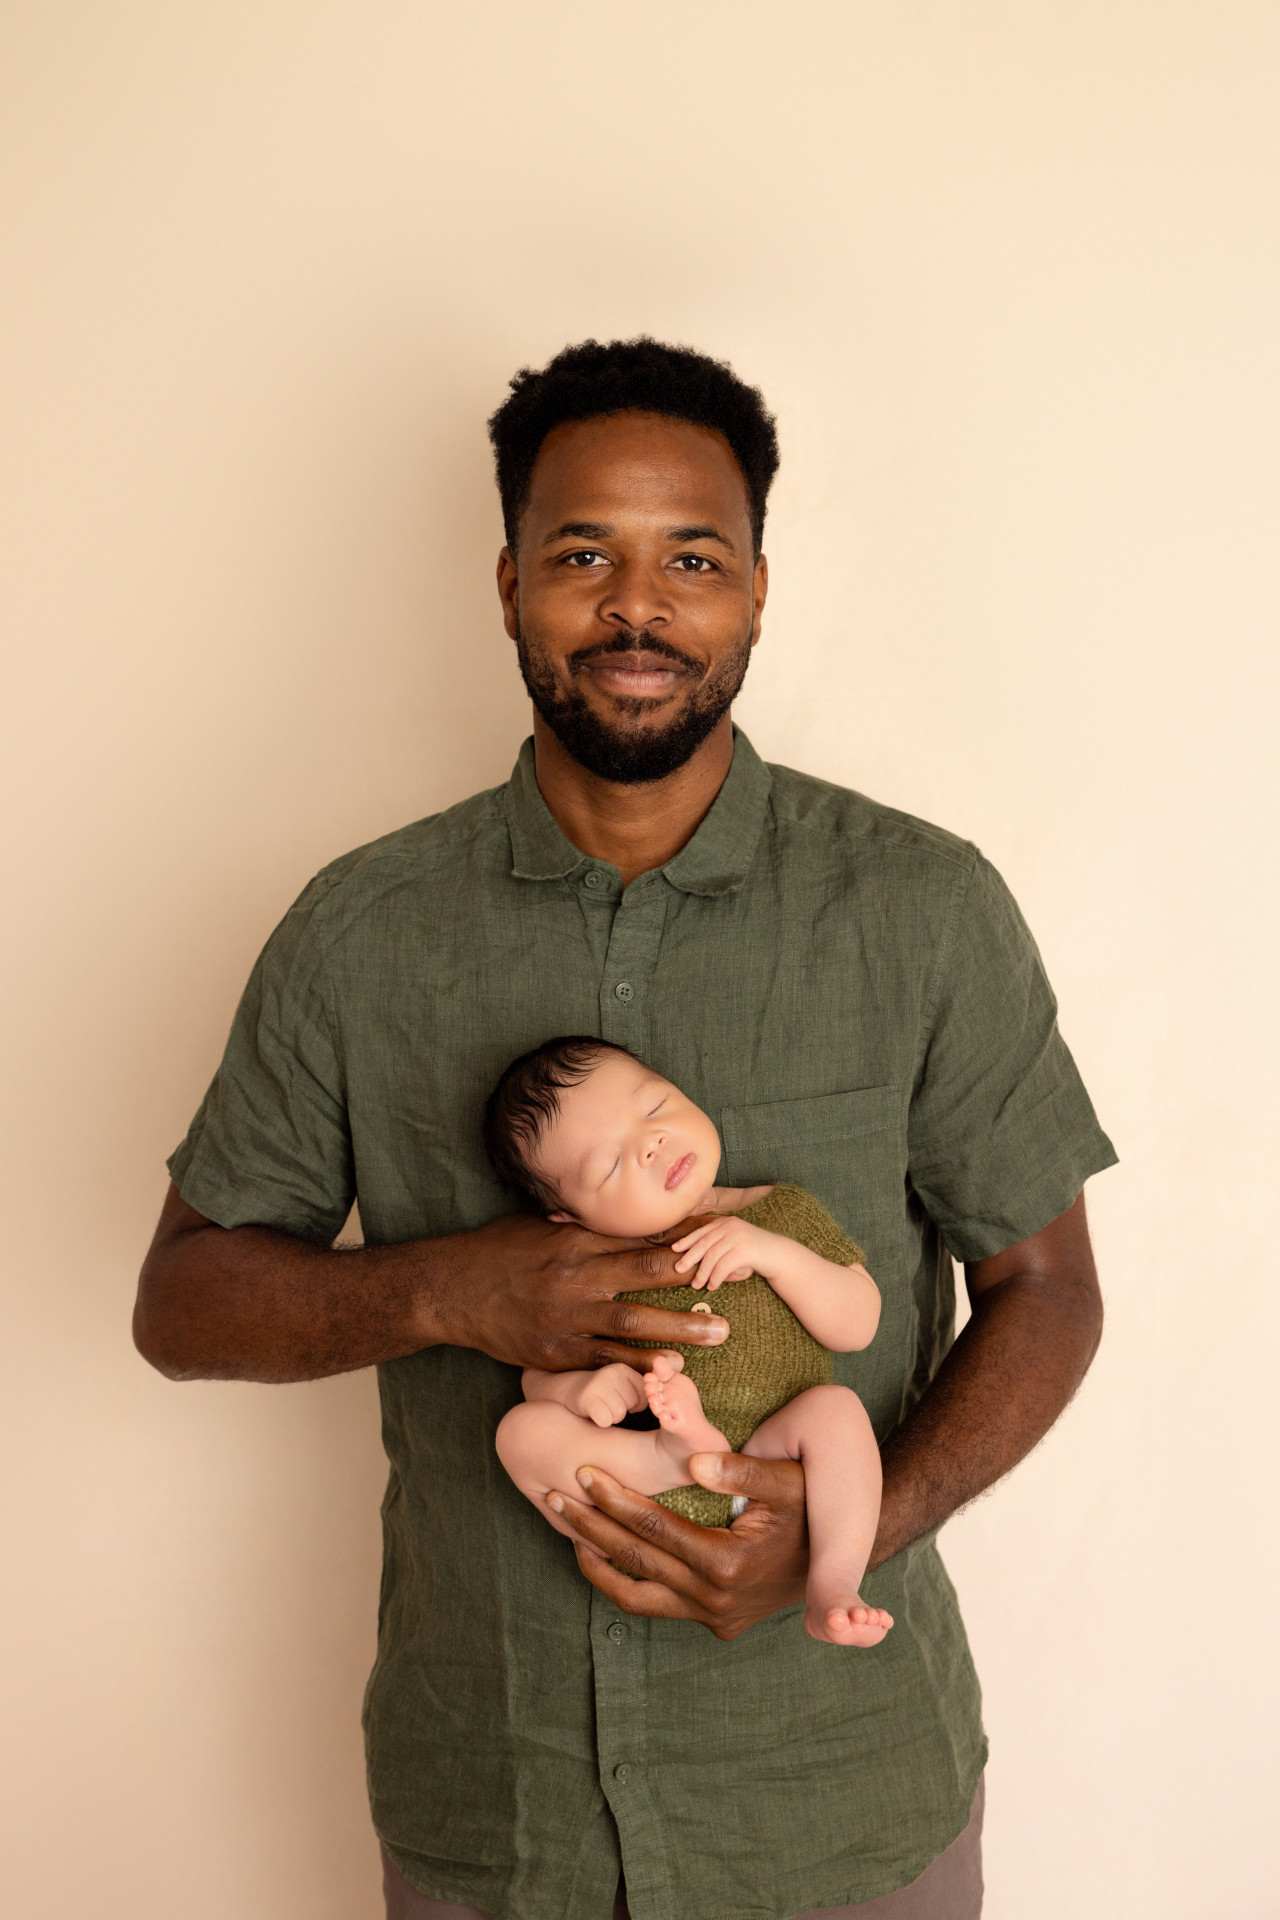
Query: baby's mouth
point(679, 1170)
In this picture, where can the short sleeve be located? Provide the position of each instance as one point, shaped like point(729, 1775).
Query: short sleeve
point(270, 1145)
point(1001, 1135)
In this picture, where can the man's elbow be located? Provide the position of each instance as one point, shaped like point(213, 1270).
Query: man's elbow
point(1095, 1320)
point(160, 1335)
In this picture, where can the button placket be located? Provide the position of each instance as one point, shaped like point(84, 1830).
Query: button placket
point(629, 966)
point(620, 1658)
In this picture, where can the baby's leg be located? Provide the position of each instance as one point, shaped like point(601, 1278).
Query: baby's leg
point(542, 1445)
point(828, 1431)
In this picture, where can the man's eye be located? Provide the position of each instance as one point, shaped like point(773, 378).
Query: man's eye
point(695, 563)
point(584, 557)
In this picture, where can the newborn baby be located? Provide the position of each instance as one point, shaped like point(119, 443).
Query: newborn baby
point(585, 1133)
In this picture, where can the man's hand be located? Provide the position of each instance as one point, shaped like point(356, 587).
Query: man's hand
point(540, 1295)
point(250, 1303)
point(650, 1561)
point(1035, 1326)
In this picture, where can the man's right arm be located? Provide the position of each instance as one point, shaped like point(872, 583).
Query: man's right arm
point(251, 1303)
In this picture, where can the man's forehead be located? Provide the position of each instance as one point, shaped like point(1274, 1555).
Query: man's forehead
point(595, 471)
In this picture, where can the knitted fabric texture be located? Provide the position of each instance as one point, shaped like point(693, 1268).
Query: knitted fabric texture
point(768, 1357)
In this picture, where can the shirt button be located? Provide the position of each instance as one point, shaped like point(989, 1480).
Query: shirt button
point(617, 1631)
point(624, 991)
point(595, 878)
point(622, 1775)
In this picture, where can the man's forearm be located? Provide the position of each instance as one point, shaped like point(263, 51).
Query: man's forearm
point(249, 1303)
point(252, 1304)
point(1008, 1377)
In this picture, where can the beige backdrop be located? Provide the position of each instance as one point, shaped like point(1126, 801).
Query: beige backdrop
point(1007, 270)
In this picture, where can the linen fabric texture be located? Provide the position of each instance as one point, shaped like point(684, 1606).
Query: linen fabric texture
point(950, 1888)
point(854, 998)
point(769, 1357)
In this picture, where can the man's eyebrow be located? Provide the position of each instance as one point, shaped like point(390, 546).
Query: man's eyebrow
point(602, 530)
point(701, 533)
point(581, 530)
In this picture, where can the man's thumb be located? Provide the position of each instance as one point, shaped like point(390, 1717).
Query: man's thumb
point(781, 1482)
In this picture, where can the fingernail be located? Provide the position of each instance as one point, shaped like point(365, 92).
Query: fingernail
point(584, 1476)
point(555, 1503)
point(704, 1466)
point(717, 1329)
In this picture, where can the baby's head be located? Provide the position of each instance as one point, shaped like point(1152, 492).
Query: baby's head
point(583, 1131)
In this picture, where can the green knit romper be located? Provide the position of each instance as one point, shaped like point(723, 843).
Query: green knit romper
point(768, 1358)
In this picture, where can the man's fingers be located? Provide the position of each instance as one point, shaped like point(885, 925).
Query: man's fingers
point(651, 1542)
point(647, 1597)
point(656, 1327)
point(775, 1483)
point(635, 1268)
point(640, 1561)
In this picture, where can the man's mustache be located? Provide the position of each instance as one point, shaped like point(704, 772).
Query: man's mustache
point(641, 642)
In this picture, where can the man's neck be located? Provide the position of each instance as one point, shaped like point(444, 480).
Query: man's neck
point(634, 828)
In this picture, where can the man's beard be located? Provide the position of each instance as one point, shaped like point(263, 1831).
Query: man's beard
point(647, 753)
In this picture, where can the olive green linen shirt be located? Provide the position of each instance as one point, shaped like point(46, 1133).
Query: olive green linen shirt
point(854, 998)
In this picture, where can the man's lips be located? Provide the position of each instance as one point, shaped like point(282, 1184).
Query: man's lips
point(679, 1170)
point(635, 673)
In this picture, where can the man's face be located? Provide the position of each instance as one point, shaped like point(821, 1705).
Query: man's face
point(634, 599)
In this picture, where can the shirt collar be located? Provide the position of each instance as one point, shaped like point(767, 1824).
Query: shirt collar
point(714, 861)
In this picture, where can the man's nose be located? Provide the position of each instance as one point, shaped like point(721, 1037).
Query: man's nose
point(636, 596)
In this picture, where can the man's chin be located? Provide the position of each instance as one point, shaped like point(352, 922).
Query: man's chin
point(637, 739)
point(642, 743)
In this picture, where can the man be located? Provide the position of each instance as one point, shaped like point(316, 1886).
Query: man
point(855, 999)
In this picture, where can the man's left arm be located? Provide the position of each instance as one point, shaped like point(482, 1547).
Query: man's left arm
point(1035, 1327)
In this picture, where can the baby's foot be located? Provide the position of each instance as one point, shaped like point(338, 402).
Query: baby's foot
point(676, 1402)
point(844, 1619)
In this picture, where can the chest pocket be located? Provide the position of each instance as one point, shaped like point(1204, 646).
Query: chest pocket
point(850, 1149)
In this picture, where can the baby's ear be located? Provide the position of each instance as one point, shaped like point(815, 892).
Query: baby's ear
point(560, 1219)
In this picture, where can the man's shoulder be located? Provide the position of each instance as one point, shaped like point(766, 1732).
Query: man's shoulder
point(428, 852)
point(853, 824)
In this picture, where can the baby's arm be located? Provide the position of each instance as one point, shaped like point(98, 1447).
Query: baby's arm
point(839, 1306)
point(605, 1396)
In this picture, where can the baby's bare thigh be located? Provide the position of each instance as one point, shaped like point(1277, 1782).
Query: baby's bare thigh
point(829, 1413)
point(542, 1445)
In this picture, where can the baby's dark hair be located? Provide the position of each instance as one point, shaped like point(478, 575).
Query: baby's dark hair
point(525, 1102)
point(643, 375)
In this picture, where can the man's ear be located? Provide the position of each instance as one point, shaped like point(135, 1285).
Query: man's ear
point(759, 594)
point(507, 590)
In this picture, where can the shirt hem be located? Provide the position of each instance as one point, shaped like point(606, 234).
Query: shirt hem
point(785, 1907)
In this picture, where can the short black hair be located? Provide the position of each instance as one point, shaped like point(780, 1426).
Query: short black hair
point(643, 376)
point(525, 1102)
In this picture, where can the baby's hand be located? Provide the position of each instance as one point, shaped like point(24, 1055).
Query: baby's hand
point(727, 1249)
point(610, 1394)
